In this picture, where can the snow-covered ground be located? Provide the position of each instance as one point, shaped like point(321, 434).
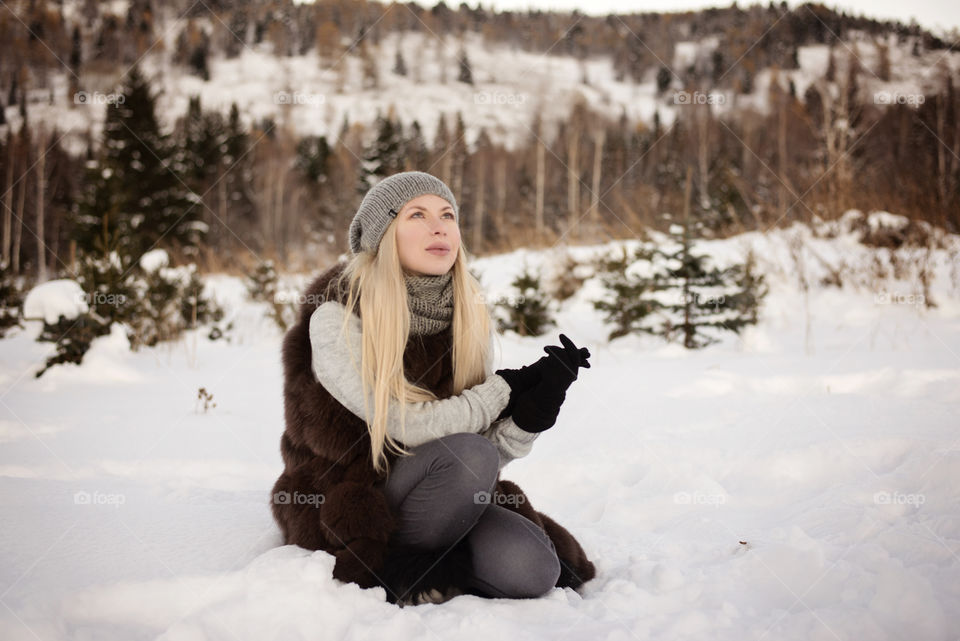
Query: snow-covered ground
point(797, 482)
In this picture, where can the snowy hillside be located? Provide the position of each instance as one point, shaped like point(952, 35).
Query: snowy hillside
point(314, 95)
point(797, 482)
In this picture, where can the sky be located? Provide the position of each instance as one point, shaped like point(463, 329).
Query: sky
point(936, 15)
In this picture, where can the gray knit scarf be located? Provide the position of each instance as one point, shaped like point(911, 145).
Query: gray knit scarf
point(431, 303)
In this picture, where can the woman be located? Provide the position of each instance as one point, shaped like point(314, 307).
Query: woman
point(405, 492)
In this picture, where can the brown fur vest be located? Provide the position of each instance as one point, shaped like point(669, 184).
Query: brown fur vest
point(329, 497)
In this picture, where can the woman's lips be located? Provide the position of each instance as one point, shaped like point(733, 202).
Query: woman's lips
point(439, 251)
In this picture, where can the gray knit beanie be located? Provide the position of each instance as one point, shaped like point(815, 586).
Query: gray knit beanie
point(383, 202)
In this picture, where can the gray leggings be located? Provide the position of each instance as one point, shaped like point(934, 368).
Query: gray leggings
point(441, 493)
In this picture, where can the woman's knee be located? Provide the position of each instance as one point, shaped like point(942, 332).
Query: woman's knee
point(534, 572)
point(513, 557)
point(473, 459)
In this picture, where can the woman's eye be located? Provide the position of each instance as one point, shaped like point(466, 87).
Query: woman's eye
point(417, 213)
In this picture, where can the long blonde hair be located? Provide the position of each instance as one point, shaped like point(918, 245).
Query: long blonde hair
point(378, 281)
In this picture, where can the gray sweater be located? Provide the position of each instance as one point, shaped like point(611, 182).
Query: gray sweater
point(473, 410)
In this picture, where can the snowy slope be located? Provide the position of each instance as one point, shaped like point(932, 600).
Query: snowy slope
point(798, 482)
point(313, 95)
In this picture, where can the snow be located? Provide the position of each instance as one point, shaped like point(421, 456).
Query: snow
point(154, 259)
point(911, 77)
point(510, 88)
point(312, 95)
point(685, 54)
point(795, 482)
point(880, 219)
point(53, 299)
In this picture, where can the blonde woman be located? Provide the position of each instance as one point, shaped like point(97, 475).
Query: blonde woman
point(397, 428)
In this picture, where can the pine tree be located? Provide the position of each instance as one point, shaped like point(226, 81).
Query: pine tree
point(700, 300)
point(751, 288)
point(198, 59)
point(134, 199)
point(193, 49)
point(678, 294)
point(11, 299)
point(313, 153)
point(528, 313)
point(237, 165)
point(466, 74)
point(706, 299)
point(631, 301)
point(416, 146)
point(663, 79)
point(202, 141)
point(75, 49)
point(385, 156)
point(399, 66)
point(12, 94)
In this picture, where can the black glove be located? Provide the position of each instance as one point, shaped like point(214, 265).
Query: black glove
point(537, 408)
point(520, 380)
point(526, 378)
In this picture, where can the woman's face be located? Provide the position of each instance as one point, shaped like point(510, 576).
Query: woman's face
point(424, 223)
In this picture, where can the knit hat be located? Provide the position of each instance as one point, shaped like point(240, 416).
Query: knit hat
point(383, 202)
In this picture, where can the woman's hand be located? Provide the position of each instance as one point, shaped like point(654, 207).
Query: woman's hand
point(543, 384)
point(571, 353)
point(529, 375)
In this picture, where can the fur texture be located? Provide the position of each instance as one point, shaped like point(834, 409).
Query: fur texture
point(330, 498)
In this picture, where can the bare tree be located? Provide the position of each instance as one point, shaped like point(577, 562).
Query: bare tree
point(441, 148)
point(573, 131)
point(702, 119)
point(836, 135)
point(481, 158)
point(599, 136)
point(24, 139)
point(8, 199)
point(41, 189)
point(541, 177)
point(946, 158)
point(500, 189)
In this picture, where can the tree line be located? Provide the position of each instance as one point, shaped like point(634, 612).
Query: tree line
point(215, 191)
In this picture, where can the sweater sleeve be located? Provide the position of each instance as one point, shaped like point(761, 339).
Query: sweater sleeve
point(473, 410)
point(511, 441)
